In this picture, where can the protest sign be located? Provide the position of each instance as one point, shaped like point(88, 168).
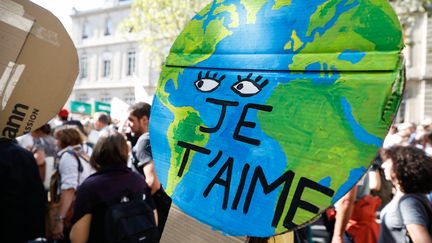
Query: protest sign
point(38, 67)
point(268, 112)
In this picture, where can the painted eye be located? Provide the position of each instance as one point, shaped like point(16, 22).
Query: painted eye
point(206, 84)
point(246, 88)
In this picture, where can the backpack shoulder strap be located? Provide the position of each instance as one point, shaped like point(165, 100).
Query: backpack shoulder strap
point(57, 175)
point(424, 202)
point(77, 157)
point(57, 159)
point(83, 154)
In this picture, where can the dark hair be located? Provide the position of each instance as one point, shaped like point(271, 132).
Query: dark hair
point(110, 149)
point(428, 138)
point(102, 117)
point(140, 109)
point(45, 129)
point(68, 135)
point(413, 168)
point(77, 124)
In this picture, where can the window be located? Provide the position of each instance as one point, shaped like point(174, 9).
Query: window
point(129, 98)
point(106, 68)
point(131, 62)
point(85, 30)
point(105, 98)
point(106, 64)
point(400, 116)
point(83, 67)
point(108, 27)
point(82, 97)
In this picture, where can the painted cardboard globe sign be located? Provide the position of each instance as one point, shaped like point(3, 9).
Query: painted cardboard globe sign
point(268, 112)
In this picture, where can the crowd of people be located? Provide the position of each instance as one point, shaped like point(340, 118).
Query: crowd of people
point(73, 173)
point(78, 168)
point(397, 185)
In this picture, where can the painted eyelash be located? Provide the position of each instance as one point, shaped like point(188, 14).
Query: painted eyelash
point(207, 76)
point(257, 79)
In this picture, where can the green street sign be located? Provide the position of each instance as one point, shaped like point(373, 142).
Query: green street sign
point(81, 108)
point(104, 107)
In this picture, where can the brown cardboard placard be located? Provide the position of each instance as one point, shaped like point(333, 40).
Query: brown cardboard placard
point(38, 67)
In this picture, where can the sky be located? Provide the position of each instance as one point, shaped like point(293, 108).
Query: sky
point(63, 8)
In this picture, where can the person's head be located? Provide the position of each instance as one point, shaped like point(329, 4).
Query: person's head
point(77, 124)
point(101, 120)
point(41, 131)
point(63, 114)
point(425, 140)
point(393, 129)
point(139, 115)
point(68, 135)
point(428, 138)
point(405, 129)
point(408, 167)
point(427, 124)
point(110, 149)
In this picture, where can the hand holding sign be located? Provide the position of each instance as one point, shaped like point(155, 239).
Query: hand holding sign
point(268, 112)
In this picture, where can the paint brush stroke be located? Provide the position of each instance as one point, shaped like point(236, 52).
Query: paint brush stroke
point(359, 132)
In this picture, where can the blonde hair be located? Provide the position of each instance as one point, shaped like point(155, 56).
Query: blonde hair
point(68, 135)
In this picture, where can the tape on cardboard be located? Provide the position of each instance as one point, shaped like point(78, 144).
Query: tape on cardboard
point(38, 67)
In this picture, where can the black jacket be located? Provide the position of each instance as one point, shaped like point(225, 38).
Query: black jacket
point(22, 195)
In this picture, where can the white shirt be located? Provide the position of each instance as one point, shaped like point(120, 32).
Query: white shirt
point(68, 168)
point(94, 135)
point(25, 141)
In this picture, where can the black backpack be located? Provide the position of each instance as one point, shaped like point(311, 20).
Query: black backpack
point(130, 219)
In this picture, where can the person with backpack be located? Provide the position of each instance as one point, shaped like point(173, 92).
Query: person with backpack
point(141, 159)
point(115, 203)
point(73, 167)
point(408, 216)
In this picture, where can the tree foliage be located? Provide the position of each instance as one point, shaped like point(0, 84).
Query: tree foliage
point(161, 21)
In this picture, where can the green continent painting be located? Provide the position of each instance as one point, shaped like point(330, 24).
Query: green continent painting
point(268, 112)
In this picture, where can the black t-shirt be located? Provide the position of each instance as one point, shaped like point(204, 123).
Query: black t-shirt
point(23, 197)
point(100, 189)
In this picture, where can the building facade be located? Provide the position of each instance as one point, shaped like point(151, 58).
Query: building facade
point(417, 101)
point(113, 62)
